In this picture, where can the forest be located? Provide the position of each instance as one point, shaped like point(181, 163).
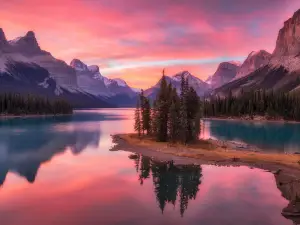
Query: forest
point(172, 117)
point(269, 104)
point(16, 104)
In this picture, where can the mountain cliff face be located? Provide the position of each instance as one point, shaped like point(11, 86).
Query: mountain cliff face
point(288, 40)
point(282, 72)
point(287, 50)
point(27, 69)
point(200, 86)
point(91, 80)
point(88, 80)
point(254, 61)
point(3, 40)
point(77, 79)
point(226, 71)
point(27, 50)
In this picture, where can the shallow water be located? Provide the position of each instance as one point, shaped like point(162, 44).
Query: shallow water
point(60, 171)
point(270, 136)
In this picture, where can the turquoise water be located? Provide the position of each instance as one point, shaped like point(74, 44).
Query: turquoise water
point(270, 136)
point(60, 171)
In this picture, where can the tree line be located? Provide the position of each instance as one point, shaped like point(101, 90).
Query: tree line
point(171, 117)
point(16, 104)
point(270, 104)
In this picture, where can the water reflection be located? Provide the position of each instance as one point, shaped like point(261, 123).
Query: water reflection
point(267, 135)
point(27, 145)
point(171, 182)
point(26, 159)
point(97, 185)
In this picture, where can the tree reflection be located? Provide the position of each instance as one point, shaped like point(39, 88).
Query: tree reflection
point(171, 182)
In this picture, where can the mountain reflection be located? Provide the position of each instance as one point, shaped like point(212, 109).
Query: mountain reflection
point(23, 150)
point(171, 182)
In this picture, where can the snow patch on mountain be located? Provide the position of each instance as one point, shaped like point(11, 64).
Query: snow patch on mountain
point(44, 84)
point(93, 68)
point(78, 65)
point(120, 82)
point(14, 41)
point(137, 90)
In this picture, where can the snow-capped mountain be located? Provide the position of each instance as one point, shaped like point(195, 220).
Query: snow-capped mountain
point(92, 81)
point(89, 79)
point(200, 86)
point(254, 61)
point(27, 50)
point(208, 80)
point(226, 71)
point(27, 69)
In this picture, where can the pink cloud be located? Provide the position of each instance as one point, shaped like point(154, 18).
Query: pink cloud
point(105, 31)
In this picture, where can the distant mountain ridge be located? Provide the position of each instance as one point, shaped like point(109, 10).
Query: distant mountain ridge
point(75, 79)
point(280, 70)
point(255, 60)
point(260, 70)
point(200, 86)
point(226, 71)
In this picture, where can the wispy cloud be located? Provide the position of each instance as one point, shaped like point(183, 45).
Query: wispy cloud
point(118, 66)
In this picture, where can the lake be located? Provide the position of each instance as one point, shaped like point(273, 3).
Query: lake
point(60, 171)
point(270, 136)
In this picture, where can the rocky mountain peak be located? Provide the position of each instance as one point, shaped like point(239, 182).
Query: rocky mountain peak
point(185, 74)
point(288, 40)
point(226, 71)
point(78, 65)
point(232, 65)
point(255, 60)
point(2, 37)
point(120, 82)
point(30, 34)
point(27, 45)
point(94, 69)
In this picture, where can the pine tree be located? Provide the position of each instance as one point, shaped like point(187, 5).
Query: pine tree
point(183, 112)
point(137, 119)
point(162, 111)
point(142, 111)
point(173, 126)
point(147, 116)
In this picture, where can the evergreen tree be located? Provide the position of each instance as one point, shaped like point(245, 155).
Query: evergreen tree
point(162, 110)
point(183, 112)
point(174, 118)
point(16, 104)
point(147, 116)
point(173, 126)
point(137, 119)
point(255, 103)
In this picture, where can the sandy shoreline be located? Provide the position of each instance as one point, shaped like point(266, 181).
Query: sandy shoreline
point(211, 152)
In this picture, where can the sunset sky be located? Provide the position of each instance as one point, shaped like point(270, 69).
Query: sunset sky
point(135, 39)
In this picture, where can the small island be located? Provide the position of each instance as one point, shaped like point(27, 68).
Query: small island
point(170, 130)
point(16, 105)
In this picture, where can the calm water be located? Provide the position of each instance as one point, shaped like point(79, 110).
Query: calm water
point(271, 136)
point(60, 171)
